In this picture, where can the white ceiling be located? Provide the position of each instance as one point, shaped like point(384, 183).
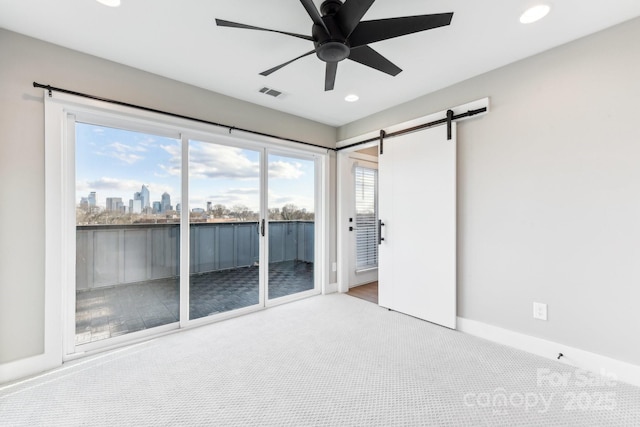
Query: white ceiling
point(179, 40)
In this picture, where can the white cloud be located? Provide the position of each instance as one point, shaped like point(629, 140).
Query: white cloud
point(285, 170)
point(125, 153)
point(123, 148)
point(174, 166)
point(215, 161)
point(126, 158)
point(148, 141)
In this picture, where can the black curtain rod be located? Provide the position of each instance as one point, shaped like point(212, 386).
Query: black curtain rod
point(231, 128)
point(416, 128)
point(180, 116)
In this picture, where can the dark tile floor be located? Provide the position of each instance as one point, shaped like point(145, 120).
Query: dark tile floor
point(109, 312)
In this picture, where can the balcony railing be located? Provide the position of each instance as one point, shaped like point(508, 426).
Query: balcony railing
point(109, 255)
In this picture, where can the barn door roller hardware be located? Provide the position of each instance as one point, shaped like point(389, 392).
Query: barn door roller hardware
point(450, 118)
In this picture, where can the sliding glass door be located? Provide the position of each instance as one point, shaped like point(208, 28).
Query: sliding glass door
point(171, 229)
point(127, 232)
point(291, 212)
point(224, 226)
point(231, 230)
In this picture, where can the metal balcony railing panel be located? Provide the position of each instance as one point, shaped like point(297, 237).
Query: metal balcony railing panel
point(109, 255)
point(221, 246)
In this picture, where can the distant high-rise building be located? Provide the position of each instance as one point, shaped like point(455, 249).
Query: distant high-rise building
point(157, 207)
point(114, 203)
point(130, 205)
point(84, 203)
point(135, 206)
point(145, 196)
point(92, 199)
point(209, 207)
point(165, 205)
point(178, 207)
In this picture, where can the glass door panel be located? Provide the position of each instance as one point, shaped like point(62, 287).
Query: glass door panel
point(224, 216)
point(127, 232)
point(291, 214)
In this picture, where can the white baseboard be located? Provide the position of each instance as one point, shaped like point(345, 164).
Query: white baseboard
point(330, 288)
point(26, 367)
point(572, 356)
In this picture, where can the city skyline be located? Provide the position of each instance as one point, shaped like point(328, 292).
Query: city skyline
point(115, 163)
point(114, 203)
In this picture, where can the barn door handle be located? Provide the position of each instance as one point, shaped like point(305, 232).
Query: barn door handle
point(380, 225)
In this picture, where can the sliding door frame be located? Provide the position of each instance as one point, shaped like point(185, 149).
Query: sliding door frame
point(61, 113)
point(318, 231)
point(185, 232)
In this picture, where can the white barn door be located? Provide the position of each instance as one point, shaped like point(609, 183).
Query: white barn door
point(417, 205)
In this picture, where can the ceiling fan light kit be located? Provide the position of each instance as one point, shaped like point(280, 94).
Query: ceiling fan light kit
point(338, 34)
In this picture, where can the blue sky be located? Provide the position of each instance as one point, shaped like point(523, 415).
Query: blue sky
point(115, 163)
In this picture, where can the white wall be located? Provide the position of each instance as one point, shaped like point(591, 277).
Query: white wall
point(24, 60)
point(549, 182)
point(549, 192)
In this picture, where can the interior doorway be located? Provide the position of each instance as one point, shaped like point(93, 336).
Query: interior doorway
point(359, 170)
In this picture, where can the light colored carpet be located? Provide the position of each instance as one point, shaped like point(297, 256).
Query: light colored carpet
point(327, 360)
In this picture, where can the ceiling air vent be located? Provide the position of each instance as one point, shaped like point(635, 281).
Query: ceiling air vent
point(272, 92)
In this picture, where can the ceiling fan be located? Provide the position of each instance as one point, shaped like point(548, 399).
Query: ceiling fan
point(339, 34)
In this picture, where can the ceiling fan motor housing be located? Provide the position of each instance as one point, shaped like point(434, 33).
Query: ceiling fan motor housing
point(331, 47)
point(338, 33)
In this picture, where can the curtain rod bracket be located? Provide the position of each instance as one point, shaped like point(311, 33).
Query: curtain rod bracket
point(382, 135)
point(449, 121)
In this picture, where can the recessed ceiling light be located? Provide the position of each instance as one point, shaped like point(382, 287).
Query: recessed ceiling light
point(351, 98)
point(535, 13)
point(110, 3)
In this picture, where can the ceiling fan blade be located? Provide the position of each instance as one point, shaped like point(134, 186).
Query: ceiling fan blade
point(312, 10)
point(271, 70)
point(382, 29)
point(223, 23)
point(351, 13)
point(369, 57)
point(330, 76)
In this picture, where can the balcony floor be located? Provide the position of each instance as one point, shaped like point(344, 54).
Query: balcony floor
point(113, 311)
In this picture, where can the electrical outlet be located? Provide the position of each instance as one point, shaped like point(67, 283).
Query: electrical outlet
point(334, 266)
point(539, 311)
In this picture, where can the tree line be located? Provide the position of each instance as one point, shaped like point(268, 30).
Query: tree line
point(288, 212)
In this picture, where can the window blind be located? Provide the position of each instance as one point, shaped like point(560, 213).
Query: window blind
point(366, 194)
